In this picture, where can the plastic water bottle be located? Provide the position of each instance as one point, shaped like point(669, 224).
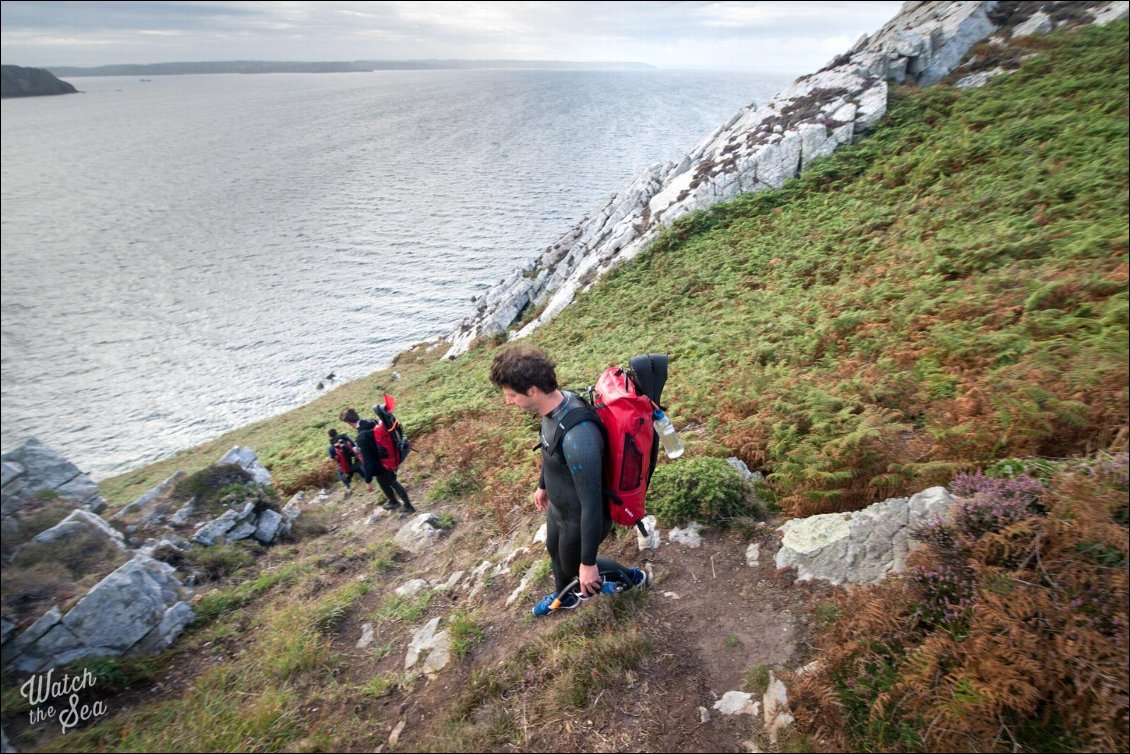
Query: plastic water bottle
point(672, 445)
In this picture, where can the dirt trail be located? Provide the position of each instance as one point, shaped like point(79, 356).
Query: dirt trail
point(711, 617)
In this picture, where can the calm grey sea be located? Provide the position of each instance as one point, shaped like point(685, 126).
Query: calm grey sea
point(185, 255)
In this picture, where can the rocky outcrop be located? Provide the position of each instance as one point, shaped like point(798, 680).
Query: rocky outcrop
point(137, 609)
point(16, 81)
point(860, 547)
point(80, 523)
point(34, 469)
point(161, 490)
point(248, 460)
point(760, 148)
point(250, 522)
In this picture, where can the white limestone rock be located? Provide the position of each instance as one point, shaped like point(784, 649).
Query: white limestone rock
point(418, 534)
point(411, 588)
point(436, 648)
point(778, 717)
point(1038, 23)
point(367, 636)
point(34, 467)
point(860, 547)
point(651, 540)
point(737, 703)
point(691, 536)
point(268, 526)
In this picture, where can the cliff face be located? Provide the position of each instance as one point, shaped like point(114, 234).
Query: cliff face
point(761, 148)
point(16, 81)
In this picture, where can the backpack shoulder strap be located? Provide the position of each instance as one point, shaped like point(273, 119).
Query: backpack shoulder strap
point(580, 411)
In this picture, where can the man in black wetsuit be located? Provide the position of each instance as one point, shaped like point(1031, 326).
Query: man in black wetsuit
point(371, 454)
point(570, 491)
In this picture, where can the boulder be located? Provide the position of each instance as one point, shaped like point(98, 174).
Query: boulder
point(367, 636)
point(1038, 23)
point(418, 534)
point(78, 523)
point(267, 526)
point(231, 526)
point(778, 717)
point(153, 494)
point(435, 646)
point(411, 588)
point(737, 703)
point(126, 605)
point(137, 609)
point(860, 547)
point(248, 460)
point(33, 467)
point(210, 532)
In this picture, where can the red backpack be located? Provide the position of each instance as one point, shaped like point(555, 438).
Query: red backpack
point(622, 404)
point(347, 456)
point(390, 461)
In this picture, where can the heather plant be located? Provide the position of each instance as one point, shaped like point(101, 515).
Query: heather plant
point(1113, 469)
point(987, 504)
point(947, 595)
point(1008, 632)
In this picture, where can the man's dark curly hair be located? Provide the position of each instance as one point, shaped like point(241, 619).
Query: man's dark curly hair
point(522, 367)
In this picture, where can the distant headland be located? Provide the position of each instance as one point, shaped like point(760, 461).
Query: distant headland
point(16, 81)
point(353, 66)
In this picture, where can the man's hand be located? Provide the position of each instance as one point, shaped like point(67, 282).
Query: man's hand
point(541, 500)
point(590, 579)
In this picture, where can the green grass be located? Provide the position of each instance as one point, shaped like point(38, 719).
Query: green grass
point(588, 653)
point(215, 604)
point(405, 609)
point(246, 704)
point(466, 630)
point(756, 679)
point(379, 686)
point(385, 555)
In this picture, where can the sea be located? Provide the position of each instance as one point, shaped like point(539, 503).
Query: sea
point(182, 255)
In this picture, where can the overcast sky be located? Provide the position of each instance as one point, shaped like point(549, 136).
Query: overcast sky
point(790, 37)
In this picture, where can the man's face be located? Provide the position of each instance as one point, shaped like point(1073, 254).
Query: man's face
point(525, 401)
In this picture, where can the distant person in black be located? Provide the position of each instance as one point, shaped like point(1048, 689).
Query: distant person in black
point(348, 450)
point(571, 490)
point(371, 455)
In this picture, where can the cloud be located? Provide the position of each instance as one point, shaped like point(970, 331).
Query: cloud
point(796, 36)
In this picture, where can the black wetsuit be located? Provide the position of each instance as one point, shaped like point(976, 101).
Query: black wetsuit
point(371, 454)
point(577, 519)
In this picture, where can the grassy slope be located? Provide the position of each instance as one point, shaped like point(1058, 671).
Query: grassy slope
point(949, 292)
